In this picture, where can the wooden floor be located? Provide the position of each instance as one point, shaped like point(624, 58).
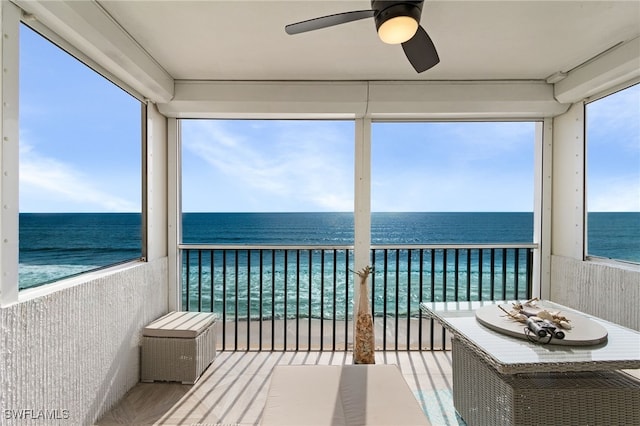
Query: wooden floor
point(233, 390)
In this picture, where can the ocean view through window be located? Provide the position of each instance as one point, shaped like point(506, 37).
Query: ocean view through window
point(259, 241)
point(613, 176)
point(264, 166)
point(80, 166)
point(459, 167)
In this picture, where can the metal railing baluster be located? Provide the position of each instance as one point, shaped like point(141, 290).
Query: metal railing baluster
point(248, 299)
point(273, 300)
point(185, 303)
point(504, 273)
point(456, 293)
point(224, 299)
point(480, 274)
point(492, 281)
point(408, 298)
point(421, 299)
point(286, 296)
point(199, 280)
point(322, 300)
point(346, 299)
point(444, 289)
point(228, 286)
point(516, 268)
point(310, 297)
point(335, 290)
point(386, 298)
point(297, 300)
point(212, 287)
point(261, 307)
point(236, 287)
point(529, 272)
point(432, 267)
point(469, 275)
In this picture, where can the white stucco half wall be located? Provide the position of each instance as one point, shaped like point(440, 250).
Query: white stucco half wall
point(73, 353)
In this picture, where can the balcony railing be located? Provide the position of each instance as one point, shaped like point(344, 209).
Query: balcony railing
point(301, 297)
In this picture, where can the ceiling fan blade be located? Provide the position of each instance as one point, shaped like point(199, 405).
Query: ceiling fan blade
point(420, 51)
point(328, 21)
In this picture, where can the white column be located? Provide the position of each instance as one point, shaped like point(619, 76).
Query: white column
point(155, 194)
point(362, 201)
point(542, 208)
point(9, 152)
point(568, 190)
point(174, 231)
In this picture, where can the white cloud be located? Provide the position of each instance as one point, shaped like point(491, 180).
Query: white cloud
point(299, 170)
point(616, 194)
point(613, 120)
point(46, 181)
point(454, 167)
point(457, 191)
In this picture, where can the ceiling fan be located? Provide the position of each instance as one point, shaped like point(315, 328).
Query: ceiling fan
point(397, 22)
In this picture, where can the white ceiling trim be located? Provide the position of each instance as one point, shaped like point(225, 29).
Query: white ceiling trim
point(376, 100)
point(88, 27)
point(264, 99)
point(611, 69)
point(463, 100)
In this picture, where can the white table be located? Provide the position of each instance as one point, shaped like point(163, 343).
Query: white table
point(498, 379)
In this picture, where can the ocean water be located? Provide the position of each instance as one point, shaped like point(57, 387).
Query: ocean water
point(337, 228)
point(58, 245)
point(53, 246)
point(322, 287)
point(614, 235)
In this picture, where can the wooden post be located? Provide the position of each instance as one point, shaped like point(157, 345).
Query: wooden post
point(364, 339)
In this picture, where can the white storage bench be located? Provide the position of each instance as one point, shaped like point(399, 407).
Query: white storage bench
point(178, 347)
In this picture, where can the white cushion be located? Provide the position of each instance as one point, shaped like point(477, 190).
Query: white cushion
point(340, 395)
point(186, 325)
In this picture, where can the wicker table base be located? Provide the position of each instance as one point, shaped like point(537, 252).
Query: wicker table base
point(482, 396)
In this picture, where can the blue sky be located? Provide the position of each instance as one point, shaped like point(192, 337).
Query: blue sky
point(309, 166)
point(73, 160)
point(613, 162)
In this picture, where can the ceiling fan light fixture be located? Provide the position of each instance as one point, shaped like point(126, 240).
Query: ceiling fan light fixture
point(396, 21)
point(397, 30)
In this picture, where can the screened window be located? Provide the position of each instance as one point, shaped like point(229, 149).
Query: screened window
point(454, 182)
point(267, 181)
point(80, 166)
point(613, 176)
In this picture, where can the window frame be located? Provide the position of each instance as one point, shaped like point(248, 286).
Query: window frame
point(182, 154)
point(537, 135)
point(12, 20)
point(362, 193)
point(585, 237)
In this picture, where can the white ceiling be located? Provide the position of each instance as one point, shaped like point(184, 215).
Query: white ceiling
point(476, 40)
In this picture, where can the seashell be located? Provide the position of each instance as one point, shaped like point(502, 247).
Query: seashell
point(565, 325)
point(545, 315)
point(528, 313)
point(520, 317)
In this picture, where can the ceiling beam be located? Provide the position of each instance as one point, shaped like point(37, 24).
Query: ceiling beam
point(475, 100)
point(90, 29)
point(267, 99)
point(376, 100)
point(608, 70)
